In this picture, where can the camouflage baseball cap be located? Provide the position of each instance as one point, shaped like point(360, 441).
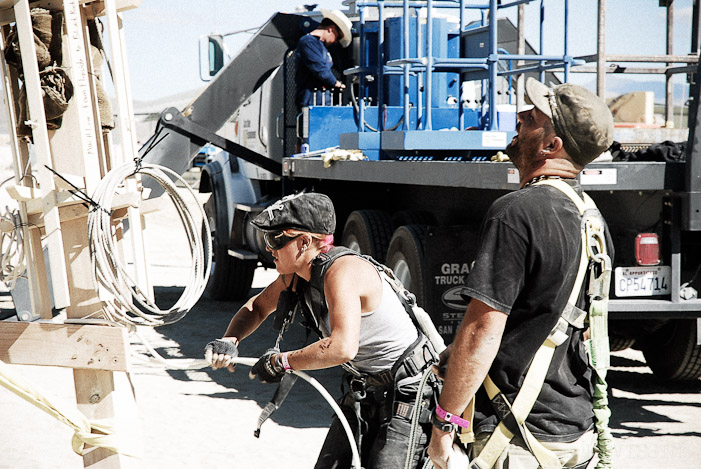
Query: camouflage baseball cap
point(580, 118)
point(311, 212)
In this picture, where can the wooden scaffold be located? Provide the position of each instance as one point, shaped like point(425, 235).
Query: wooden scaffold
point(57, 162)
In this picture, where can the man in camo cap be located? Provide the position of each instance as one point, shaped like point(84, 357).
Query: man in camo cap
point(523, 276)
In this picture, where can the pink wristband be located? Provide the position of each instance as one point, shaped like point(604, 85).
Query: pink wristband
point(448, 417)
point(285, 361)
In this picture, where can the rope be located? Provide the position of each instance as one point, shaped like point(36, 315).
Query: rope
point(125, 302)
point(416, 413)
point(84, 428)
point(12, 265)
point(12, 259)
point(194, 364)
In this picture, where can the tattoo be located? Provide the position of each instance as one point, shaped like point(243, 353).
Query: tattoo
point(324, 345)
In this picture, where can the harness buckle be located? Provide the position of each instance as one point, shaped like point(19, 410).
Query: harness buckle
point(358, 388)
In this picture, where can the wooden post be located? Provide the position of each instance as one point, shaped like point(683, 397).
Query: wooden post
point(79, 152)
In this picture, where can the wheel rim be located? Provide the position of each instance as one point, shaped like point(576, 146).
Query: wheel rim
point(402, 272)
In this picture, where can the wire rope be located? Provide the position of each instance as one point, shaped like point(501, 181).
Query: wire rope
point(196, 364)
point(12, 256)
point(125, 302)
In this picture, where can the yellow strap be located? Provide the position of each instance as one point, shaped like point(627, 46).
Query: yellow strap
point(527, 395)
point(467, 435)
point(81, 425)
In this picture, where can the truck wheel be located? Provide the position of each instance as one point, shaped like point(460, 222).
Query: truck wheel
point(368, 232)
point(230, 278)
point(405, 257)
point(618, 343)
point(672, 352)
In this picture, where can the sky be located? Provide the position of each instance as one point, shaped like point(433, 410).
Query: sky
point(162, 36)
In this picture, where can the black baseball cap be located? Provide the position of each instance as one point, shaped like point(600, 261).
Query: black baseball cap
point(307, 211)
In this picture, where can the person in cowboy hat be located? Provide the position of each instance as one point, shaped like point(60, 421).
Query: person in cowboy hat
point(350, 303)
point(313, 61)
point(524, 274)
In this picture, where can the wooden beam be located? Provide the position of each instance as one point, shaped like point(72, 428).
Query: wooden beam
point(69, 345)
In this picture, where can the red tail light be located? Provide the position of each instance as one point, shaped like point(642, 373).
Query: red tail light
point(647, 249)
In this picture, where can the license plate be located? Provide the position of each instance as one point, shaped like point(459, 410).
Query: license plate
point(643, 281)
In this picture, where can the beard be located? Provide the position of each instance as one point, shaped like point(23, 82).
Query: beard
point(513, 150)
point(523, 149)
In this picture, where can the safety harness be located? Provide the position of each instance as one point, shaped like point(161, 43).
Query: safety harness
point(512, 415)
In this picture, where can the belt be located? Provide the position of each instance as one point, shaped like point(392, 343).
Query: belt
point(361, 384)
point(383, 378)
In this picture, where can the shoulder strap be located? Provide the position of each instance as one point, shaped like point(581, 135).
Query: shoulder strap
point(319, 267)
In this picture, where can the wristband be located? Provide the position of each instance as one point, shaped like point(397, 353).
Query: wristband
point(448, 417)
point(442, 426)
point(285, 361)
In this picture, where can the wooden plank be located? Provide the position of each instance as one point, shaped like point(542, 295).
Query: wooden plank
point(127, 131)
point(42, 150)
point(74, 145)
point(95, 394)
point(39, 295)
point(84, 295)
point(68, 345)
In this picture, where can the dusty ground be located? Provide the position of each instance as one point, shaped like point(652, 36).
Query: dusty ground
point(205, 418)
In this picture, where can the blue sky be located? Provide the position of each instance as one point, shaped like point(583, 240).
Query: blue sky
point(162, 35)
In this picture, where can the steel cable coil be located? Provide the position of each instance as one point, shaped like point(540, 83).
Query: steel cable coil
point(125, 303)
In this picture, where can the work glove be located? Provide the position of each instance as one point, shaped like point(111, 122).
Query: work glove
point(219, 354)
point(267, 368)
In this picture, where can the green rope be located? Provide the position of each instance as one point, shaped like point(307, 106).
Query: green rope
point(599, 354)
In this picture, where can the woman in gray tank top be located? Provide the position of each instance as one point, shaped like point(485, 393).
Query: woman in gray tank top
point(362, 324)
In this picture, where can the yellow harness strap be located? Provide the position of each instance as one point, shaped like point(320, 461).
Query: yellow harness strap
point(535, 376)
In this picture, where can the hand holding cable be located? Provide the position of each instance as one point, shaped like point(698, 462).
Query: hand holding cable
point(269, 368)
point(220, 353)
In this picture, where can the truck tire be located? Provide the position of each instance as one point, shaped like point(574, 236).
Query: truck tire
point(672, 352)
point(368, 232)
point(230, 278)
point(405, 257)
point(618, 342)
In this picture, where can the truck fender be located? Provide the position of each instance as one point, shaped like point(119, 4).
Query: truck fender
point(228, 189)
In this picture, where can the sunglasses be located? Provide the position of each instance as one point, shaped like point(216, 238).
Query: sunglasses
point(276, 240)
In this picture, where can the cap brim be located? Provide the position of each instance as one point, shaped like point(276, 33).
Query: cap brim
point(537, 94)
point(342, 22)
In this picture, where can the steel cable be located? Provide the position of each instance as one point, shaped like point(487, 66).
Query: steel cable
point(124, 300)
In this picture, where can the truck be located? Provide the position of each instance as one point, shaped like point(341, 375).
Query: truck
point(430, 103)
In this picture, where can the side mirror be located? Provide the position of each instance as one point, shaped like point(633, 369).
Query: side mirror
point(213, 55)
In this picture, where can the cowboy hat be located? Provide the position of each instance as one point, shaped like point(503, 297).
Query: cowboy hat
point(342, 22)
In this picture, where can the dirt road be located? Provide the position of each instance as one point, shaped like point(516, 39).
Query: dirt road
point(205, 418)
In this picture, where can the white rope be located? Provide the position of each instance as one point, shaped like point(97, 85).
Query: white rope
point(12, 264)
point(195, 364)
point(125, 302)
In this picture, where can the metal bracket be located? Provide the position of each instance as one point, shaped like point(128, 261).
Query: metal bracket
point(174, 120)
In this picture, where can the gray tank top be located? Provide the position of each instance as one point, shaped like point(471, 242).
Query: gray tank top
point(385, 333)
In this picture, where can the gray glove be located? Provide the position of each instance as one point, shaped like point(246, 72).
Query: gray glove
point(220, 352)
